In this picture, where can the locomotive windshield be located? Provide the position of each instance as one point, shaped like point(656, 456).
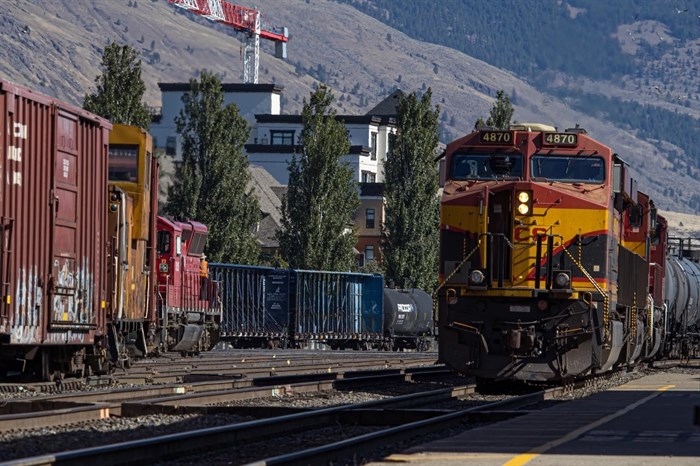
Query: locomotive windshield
point(568, 169)
point(123, 162)
point(487, 166)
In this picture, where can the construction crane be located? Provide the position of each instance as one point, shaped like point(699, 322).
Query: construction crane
point(246, 20)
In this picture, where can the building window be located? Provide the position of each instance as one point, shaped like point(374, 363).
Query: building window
point(369, 177)
point(369, 252)
point(282, 138)
point(369, 218)
point(171, 145)
point(373, 146)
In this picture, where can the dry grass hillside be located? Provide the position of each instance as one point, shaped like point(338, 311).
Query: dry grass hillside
point(682, 225)
point(55, 46)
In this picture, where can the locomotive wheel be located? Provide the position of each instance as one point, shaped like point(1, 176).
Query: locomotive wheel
point(56, 376)
point(49, 371)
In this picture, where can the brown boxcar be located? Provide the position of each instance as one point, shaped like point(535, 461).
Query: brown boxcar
point(53, 195)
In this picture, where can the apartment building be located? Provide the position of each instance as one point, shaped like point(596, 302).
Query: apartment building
point(274, 140)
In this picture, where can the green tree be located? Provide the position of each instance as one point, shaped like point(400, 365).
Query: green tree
point(211, 183)
point(322, 194)
point(500, 114)
point(120, 89)
point(410, 246)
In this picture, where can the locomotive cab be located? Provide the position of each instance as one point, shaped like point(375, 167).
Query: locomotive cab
point(188, 304)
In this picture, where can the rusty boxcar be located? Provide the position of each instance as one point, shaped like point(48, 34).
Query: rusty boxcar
point(53, 194)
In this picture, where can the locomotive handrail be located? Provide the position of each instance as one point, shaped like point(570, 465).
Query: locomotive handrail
point(476, 248)
point(434, 294)
point(597, 287)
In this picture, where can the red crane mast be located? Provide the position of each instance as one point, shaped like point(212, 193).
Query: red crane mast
point(246, 20)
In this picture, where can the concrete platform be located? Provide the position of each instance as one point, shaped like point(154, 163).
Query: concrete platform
point(648, 421)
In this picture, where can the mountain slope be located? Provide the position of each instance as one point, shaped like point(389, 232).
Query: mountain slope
point(362, 59)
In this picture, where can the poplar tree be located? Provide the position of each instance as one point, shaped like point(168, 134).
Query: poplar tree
point(322, 195)
point(500, 114)
point(411, 236)
point(120, 88)
point(210, 184)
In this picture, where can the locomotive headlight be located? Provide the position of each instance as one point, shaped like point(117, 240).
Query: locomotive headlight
point(113, 207)
point(524, 202)
point(476, 277)
point(562, 279)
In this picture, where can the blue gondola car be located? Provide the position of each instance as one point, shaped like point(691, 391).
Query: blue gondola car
point(255, 303)
point(341, 309)
point(268, 307)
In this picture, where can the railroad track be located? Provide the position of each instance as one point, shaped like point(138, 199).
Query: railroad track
point(278, 368)
point(77, 407)
point(389, 420)
point(177, 445)
point(169, 369)
point(378, 412)
point(350, 447)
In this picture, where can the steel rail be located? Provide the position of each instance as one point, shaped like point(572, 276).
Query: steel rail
point(189, 375)
point(222, 437)
point(61, 409)
point(324, 453)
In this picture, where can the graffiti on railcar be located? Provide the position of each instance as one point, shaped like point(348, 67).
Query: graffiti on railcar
point(27, 311)
point(74, 292)
point(68, 337)
point(63, 300)
point(84, 294)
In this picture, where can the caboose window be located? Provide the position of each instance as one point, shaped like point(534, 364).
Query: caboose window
point(124, 162)
point(487, 166)
point(568, 169)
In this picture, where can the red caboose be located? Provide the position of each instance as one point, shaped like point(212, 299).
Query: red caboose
point(187, 302)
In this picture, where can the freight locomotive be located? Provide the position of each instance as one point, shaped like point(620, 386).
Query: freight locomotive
point(552, 263)
point(89, 279)
point(269, 307)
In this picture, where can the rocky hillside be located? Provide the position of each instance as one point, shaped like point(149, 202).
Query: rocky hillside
point(55, 47)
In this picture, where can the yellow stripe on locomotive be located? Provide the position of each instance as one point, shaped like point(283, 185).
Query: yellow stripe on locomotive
point(514, 209)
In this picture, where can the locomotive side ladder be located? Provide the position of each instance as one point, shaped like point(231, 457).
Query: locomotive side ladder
point(246, 20)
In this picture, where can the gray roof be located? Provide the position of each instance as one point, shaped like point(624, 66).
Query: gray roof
point(388, 106)
point(265, 188)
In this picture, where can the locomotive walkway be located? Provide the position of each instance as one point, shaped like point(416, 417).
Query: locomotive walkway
point(648, 421)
